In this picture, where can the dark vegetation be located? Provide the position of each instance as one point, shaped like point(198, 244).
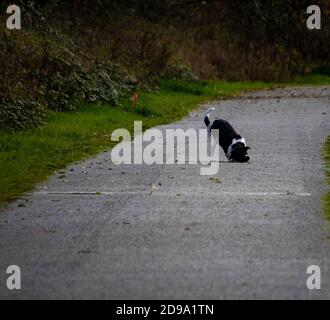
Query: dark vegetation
point(100, 51)
point(326, 152)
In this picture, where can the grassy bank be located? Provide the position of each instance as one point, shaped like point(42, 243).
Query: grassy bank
point(315, 80)
point(326, 151)
point(30, 156)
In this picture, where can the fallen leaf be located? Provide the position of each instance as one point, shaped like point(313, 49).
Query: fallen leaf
point(153, 188)
point(215, 179)
point(49, 230)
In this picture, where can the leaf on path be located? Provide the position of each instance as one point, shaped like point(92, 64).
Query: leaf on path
point(49, 230)
point(153, 188)
point(87, 251)
point(215, 179)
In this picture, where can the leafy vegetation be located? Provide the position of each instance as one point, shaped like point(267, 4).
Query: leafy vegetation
point(73, 52)
point(327, 159)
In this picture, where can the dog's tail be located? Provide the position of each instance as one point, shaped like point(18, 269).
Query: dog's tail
point(207, 116)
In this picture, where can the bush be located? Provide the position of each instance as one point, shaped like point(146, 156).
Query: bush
point(179, 71)
point(44, 70)
point(104, 83)
point(60, 58)
point(19, 115)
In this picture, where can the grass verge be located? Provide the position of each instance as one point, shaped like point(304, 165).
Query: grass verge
point(314, 80)
point(31, 156)
point(326, 152)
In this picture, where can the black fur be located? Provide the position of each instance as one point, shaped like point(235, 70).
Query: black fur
point(226, 133)
point(226, 139)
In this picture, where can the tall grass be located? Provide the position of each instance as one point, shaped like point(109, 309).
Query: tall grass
point(326, 152)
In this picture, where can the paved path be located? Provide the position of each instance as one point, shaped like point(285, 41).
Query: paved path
point(251, 236)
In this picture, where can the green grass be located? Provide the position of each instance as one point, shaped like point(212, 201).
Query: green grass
point(31, 156)
point(326, 152)
point(316, 80)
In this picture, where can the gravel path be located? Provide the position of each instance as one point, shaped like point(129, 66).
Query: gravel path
point(97, 231)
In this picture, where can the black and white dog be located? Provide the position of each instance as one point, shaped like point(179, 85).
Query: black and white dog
point(232, 143)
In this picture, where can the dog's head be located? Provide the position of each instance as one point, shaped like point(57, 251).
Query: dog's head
point(239, 153)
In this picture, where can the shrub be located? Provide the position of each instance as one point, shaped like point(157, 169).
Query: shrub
point(19, 115)
point(179, 71)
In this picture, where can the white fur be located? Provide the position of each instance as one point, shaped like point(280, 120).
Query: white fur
point(242, 140)
point(207, 114)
